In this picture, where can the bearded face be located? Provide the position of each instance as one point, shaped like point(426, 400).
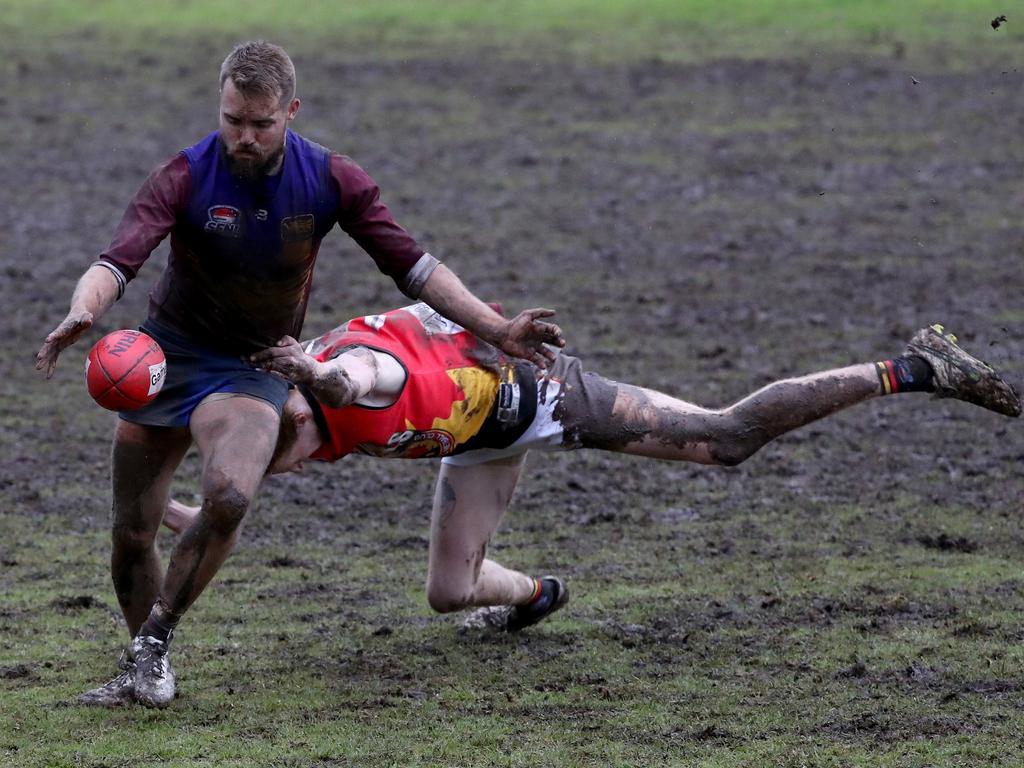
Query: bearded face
point(249, 162)
point(252, 131)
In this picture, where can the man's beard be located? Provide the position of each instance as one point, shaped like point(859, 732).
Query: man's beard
point(252, 167)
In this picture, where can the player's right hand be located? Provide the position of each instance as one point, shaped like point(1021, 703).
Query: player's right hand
point(528, 334)
point(287, 359)
point(64, 335)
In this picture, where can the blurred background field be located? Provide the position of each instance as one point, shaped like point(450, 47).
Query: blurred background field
point(689, 30)
point(712, 195)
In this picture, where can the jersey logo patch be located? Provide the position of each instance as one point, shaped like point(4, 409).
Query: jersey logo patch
point(223, 219)
point(296, 228)
point(415, 444)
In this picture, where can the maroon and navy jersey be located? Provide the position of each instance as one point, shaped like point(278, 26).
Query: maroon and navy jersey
point(242, 251)
point(454, 382)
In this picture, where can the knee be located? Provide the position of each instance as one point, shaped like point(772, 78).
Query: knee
point(733, 443)
point(135, 522)
point(224, 506)
point(446, 598)
point(131, 540)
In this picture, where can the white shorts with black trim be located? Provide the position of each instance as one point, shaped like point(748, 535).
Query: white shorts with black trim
point(544, 433)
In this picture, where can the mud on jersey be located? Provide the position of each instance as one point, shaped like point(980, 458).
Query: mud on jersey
point(452, 399)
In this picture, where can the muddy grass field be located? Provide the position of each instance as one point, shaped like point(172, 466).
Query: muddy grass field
point(849, 596)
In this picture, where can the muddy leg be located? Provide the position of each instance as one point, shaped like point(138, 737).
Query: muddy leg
point(143, 461)
point(649, 423)
point(468, 505)
point(236, 438)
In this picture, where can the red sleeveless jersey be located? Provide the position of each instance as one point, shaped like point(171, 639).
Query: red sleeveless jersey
point(451, 385)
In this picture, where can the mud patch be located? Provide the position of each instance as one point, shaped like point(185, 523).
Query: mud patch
point(17, 672)
point(77, 603)
point(286, 561)
point(946, 543)
point(995, 688)
point(712, 733)
point(885, 728)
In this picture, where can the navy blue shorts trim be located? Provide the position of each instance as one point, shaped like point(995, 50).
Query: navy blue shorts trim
point(193, 373)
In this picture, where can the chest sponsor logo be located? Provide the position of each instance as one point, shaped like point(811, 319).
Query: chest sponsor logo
point(296, 228)
point(223, 219)
point(416, 444)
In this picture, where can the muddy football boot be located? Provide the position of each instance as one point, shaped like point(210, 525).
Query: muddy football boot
point(490, 618)
point(115, 693)
point(960, 375)
point(512, 618)
point(154, 678)
point(554, 594)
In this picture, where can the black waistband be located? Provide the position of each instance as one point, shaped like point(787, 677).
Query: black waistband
point(501, 429)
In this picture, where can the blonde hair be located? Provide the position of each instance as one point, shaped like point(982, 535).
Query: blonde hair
point(259, 68)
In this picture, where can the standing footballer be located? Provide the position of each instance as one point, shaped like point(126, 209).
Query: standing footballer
point(246, 208)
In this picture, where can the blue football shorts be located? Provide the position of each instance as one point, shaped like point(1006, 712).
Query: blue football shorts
point(194, 372)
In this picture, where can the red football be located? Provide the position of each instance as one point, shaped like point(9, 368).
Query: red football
point(125, 370)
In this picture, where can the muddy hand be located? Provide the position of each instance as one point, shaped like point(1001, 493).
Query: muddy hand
point(527, 335)
point(63, 336)
point(286, 359)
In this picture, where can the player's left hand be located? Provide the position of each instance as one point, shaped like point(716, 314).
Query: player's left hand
point(527, 336)
point(286, 359)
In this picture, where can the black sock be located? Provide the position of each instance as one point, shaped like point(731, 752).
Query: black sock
point(158, 626)
point(905, 374)
point(546, 594)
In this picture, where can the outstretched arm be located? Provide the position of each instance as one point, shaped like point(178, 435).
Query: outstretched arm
point(95, 293)
point(367, 220)
point(336, 383)
point(525, 335)
point(146, 222)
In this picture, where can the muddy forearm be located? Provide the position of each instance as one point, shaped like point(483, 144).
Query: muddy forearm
point(96, 292)
point(446, 293)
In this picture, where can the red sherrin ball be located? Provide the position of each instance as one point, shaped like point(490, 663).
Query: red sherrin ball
point(125, 370)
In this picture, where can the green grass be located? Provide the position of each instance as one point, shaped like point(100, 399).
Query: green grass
point(321, 684)
point(672, 29)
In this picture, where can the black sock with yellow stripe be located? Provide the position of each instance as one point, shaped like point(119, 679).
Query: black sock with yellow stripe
point(905, 374)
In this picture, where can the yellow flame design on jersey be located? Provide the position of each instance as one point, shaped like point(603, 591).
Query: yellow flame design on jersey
point(468, 415)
